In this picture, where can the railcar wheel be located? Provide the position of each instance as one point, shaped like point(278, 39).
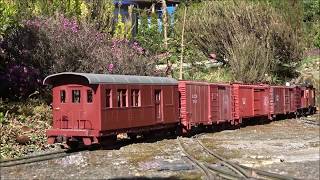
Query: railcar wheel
point(105, 141)
point(132, 136)
point(73, 145)
point(173, 132)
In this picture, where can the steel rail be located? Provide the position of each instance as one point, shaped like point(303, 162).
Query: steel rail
point(37, 158)
point(241, 168)
point(33, 160)
point(222, 173)
point(309, 121)
point(269, 174)
point(209, 169)
point(232, 166)
point(203, 168)
point(33, 156)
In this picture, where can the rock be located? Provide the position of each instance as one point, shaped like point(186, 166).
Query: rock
point(178, 166)
point(73, 160)
point(25, 129)
point(23, 139)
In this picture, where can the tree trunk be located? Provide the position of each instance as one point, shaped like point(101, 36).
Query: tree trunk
point(182, 44)
point(165, 35)
point(165, 24)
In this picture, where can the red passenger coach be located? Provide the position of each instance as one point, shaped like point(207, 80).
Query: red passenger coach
point(88, 107)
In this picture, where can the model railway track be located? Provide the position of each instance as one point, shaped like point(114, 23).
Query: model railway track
point(209, 170)
point(35, 158)
point(234, 167)
point(235, 171)
point(309, 121)
point(200, 166)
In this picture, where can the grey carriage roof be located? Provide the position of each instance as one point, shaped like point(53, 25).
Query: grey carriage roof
point(113, 79)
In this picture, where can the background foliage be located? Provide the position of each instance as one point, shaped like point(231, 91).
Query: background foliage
point(249, 37)
point(76, 41)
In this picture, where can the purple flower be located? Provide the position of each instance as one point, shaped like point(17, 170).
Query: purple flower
point(110, 68)
point(65, 23)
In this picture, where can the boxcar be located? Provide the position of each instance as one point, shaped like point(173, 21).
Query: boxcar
point(194, 103)
point(307, 100)
point(250, 101)
point(204, 103)
point(88, 107)
point(221, 103)
point(284, 100)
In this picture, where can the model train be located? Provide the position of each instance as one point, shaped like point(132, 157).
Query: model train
point(89, 108)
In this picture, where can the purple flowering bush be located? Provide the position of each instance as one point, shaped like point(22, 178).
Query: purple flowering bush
point(23, 57)
point(129, 58)
point(58, 44)
point(22, 80)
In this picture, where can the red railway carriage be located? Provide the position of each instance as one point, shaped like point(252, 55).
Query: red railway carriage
point(87, 107)
point(307, 96)
point(284, 99)
point(250, 101)
point(91, 108)
point(194, 103)
point(307, 99)
point(221, 103)
point(204, 104)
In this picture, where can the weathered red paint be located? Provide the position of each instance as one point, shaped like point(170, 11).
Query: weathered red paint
point(250, 101)
point(284, 99)
point(148, 114)
point(204, 103)
point(307, 97)
point(194, 103)
point(137, 108)
point(220, 103)
point(90, 120)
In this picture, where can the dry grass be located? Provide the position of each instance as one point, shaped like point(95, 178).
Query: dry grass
point(22, 127)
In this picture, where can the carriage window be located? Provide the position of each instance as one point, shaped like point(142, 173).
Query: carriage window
point(62, 96)
point(135, 98)
point(108, 98)
point(76, 96)
point(122, 97)
point(89, 96)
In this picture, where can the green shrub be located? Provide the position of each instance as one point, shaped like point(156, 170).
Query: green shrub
point(252, 38)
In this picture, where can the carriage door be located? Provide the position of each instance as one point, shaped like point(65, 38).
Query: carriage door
point(60, 108)
point(76, 105)
point(67, 106)
point(157, 100)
